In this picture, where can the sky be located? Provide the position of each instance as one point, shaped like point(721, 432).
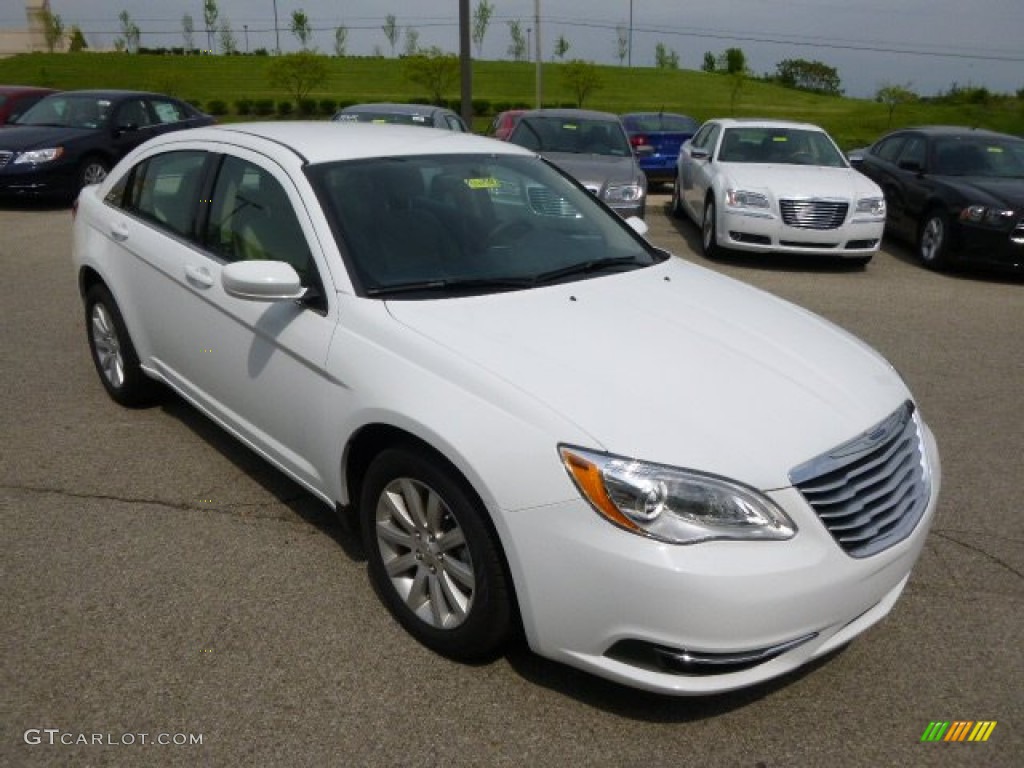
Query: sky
point(926, 45)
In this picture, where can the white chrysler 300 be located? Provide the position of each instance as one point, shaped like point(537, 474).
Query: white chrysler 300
point(665, 477)
point(775, 186)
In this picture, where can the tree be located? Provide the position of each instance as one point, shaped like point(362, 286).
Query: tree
point(732, 60)
point(340, 40)
point(665, 58)
point(132, 33)
point(228, 42)
point(391, 31)
point(188, 31)
point(435, 70)
point(76, 39)
point(709, 64)
point(210, 14)
point(738, 80)
point(298, 73)
point(517, 48)
point(621, 43)
point(561, 47)
point(412, 41)
point(53, 28)
point(301, 28)
point(481, 20)
point(582, 78)
point(893, 96)
point(808, 76)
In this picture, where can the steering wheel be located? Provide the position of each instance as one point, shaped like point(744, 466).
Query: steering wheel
point(803, 157)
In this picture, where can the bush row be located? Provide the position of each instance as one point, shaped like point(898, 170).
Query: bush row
point(327, 107)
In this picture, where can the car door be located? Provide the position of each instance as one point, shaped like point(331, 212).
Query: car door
point(699, 168)
point(131, 124)
point(255, 367)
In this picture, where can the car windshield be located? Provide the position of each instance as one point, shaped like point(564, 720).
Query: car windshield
point(398, 118)
point(979, 156)
point(68, 112)
point(571, 134)
point(443, 225)
point(660, 123)
point(786, 146)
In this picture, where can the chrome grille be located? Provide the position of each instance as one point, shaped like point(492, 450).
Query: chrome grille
point(5, 157)
point(870, 492)
point(814, 214)
point(1017, 236)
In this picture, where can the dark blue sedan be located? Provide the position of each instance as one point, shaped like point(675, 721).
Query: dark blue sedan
point(656, 138)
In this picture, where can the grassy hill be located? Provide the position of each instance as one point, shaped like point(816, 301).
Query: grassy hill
point(853, 122)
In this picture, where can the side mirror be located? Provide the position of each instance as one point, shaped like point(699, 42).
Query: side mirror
point(261, 281)
point(698, 154)
point(638, 225)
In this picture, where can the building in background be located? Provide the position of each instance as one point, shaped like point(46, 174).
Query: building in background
point(28, 38)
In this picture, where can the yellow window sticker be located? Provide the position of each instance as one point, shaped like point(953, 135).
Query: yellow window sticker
point(994, 150)
point(780, 138)
point(483, 183)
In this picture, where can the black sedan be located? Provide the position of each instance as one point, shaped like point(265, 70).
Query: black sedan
point(71, 139)
point(956, 193)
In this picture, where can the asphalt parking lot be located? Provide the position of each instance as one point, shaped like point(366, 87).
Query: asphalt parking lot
point(159, 579)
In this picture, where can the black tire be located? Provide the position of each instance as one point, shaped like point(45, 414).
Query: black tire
point(933, 239)
point(448, 584)
point(92, 171)
point(677, 201)
point(708, 232)
point(113, 352)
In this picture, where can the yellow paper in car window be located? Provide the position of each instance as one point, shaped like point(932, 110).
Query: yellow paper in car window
point(483, 183)
point(570, 126)
point(379, 120)
point(994, 150)
point(780, 138)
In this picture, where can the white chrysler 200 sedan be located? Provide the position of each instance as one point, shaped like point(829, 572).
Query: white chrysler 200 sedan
point(775, 186)
point(663, 476)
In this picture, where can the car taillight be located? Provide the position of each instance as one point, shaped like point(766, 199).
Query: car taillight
point(638, 140)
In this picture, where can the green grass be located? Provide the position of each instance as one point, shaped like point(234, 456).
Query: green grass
point(853, 122)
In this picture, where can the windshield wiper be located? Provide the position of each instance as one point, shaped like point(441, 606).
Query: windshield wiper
point(586, 268)
point(453, 285)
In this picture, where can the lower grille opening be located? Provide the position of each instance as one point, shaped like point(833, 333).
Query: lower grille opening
point(678, 661)
point(743, 237)
point(802, 244)
point(860, 245)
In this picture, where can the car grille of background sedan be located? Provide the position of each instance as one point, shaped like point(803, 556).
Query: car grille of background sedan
point(870, 492)
point(813, 214)
point(544, 202)
point(5, 158)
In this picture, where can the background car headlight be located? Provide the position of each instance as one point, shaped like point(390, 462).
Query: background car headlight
point(872, 206)
point(37, 156)
point(982, 214)
point(624, 193)
point(678, 506)
point(741, 198)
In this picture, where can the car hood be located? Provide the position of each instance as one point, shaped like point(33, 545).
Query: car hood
point(801, 180)
point(674, 364)
point(18, 138)
point(596, 171)
point(988, 190)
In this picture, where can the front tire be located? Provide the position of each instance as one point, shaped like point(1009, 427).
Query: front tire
point(933, 240)
point(677, 200)
point(432, 557)
point(113, 352)
point(709, 232)
point(92, 171)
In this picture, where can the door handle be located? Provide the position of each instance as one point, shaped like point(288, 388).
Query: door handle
point(198, 276)
point(119, 231)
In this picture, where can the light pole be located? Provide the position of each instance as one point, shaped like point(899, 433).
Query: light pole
point(277, 32)
point(536, 41)
point(630, 64)
point(246, 28)
point(529, 37)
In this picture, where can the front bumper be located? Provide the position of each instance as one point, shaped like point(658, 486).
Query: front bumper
point(57, 178)
point(767, 233)
point(623, 607)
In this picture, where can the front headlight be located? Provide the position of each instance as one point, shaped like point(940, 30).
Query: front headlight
point(624, 193)
point(742, 198)
point(982, 214)
point(871, 206)
point(670, 504)
point(38, 156)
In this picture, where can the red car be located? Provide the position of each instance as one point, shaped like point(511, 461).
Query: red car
point(503, 123)
point(15, 99)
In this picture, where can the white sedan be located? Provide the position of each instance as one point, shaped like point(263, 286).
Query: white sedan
point(776, 186)
point(661, 475)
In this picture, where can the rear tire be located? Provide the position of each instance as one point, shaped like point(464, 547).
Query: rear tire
point(677, 201)
point(709, 232)
point(113, 352)
point(432, 557)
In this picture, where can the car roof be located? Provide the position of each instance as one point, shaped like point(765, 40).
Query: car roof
point(580, 114)
point(327, 141)
point(109, 93)
point(954, 130)
point(759, 122)
point(398, 109)
point(18, 90)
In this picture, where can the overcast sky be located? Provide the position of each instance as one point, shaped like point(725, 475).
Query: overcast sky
point(928, 44)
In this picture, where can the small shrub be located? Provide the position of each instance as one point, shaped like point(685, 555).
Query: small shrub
point(502, 106)
point(307, 107)
point(285, 108)
point(263, 107)
point(481, 107)
point(244, 106)
point(216, 107)
point(328, 107)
